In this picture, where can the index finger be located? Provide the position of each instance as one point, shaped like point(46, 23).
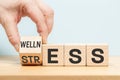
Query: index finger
point(36, 15)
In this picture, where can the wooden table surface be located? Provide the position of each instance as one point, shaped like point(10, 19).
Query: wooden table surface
point(11, 69)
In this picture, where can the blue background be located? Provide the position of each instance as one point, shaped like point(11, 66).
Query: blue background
point(76, 21)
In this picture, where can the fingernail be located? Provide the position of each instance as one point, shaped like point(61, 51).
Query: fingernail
point(17, 47)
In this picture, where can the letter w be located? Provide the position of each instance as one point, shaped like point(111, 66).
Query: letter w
point(23, 43)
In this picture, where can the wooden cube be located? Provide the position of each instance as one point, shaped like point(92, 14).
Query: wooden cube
point(97, 55)
point(30, 50)
point(52, 54)
point(75, 54)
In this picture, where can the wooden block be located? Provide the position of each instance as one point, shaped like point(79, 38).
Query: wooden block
point(97, 55)
point(52, 54)
point(75, 54)
point(30, 50)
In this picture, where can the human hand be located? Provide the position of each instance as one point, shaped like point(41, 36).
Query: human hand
point(11, 12)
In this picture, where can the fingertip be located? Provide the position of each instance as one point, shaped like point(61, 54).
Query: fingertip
point(15, 42)
point(16, 46)
point(44, 38)
point(44, 41)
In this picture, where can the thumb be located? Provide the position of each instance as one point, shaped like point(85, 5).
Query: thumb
point(10, 26)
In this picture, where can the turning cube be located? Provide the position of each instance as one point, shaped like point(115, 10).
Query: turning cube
point(30, 50)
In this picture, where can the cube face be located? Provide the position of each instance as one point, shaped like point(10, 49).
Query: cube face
point(75, 54)
point(31, 58)
point(30, 50)
point(52, 54)
point(97, 55)
point(30, 45)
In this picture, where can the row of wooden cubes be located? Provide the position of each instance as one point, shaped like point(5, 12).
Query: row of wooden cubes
point(62, 54)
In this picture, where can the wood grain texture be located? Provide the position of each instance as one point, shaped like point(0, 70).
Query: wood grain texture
point(11, 69)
